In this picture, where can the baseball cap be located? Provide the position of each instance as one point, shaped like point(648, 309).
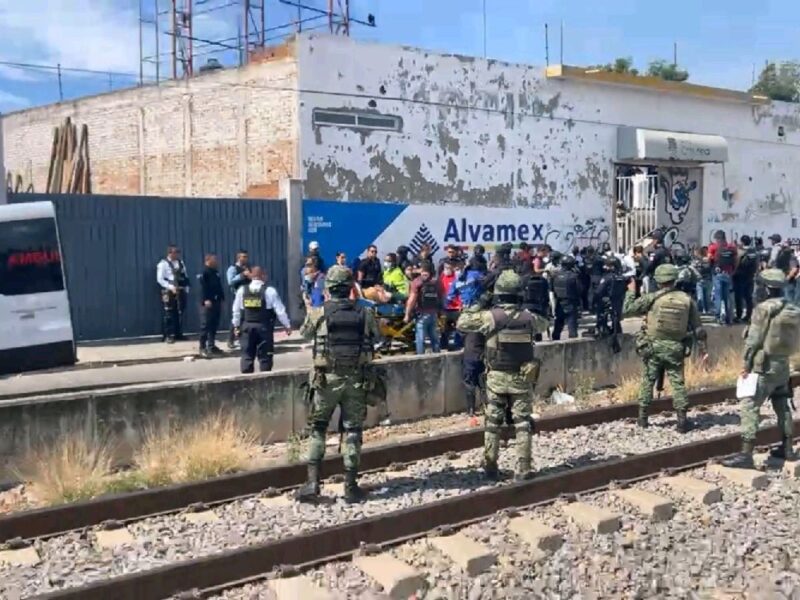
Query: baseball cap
point(313, 246)
point(775, 238)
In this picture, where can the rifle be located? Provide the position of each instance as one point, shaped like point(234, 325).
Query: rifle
point(341, 430)
point(660, 381)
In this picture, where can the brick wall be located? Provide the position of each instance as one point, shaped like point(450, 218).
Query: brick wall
point(228, 133)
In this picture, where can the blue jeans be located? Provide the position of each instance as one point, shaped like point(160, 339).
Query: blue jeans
point(790, 292)
point(704, 296)
point(722, 296)
point(427, 327)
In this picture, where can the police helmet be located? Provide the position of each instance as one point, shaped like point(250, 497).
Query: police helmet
point(657, 235)
point(774, 278)
point(555, 257)
point(612, 264)
point(666, 273)
point(567, 261)
point(338, 276)
point(508, 283)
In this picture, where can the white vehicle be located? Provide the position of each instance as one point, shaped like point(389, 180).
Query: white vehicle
point(35, 324)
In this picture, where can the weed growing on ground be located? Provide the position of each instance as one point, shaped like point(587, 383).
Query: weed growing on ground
point(584, 386)
point(68, 469)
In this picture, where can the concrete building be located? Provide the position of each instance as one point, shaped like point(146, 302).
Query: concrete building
point(600, 156)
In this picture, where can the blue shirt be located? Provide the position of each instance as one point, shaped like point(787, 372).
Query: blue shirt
point(314, 290)
point(469, 289)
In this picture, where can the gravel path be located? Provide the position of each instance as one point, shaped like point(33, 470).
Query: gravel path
point(73, 559)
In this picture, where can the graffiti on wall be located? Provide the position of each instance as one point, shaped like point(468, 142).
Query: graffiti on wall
point(770, 205)
point(591, 232)
point(677, 188)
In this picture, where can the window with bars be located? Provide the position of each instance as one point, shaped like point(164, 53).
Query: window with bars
point(358, 120)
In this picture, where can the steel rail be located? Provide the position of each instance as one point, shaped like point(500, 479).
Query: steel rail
point(130, 506)
point(245, 564)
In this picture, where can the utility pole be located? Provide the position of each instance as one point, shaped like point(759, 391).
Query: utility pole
point(484, 28)
point(158, 56)
point(546, 47)
point(60, 88)
point(675, 54)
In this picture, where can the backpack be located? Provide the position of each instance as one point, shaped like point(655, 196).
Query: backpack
point(726, 257)
point(668, 317)
point(784, 260)
point(783, 334)
point(748, 263)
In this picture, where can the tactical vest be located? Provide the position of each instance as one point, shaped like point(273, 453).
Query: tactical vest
point(511, 344)
point(726, 257)
point(669, 316)
point(429, 296)
point(565, 286)
point(535, 294)
point(619, 287)
point(255, 310)
point(783, 336)
point(344, 338)
point(748, 264)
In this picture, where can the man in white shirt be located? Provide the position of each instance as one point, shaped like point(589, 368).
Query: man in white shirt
point(174, 283)
point(255, 309)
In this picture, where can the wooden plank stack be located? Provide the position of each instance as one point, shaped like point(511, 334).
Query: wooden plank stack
point(69, 172)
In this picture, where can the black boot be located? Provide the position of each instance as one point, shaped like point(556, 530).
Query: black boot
point(743, 460)
point(352, 492)
point(683, 424)
point(491, 471)
point(310, 490)
point(784, 450)
point(643, 421)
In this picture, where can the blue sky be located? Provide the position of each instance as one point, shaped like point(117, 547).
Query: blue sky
point(719, 41)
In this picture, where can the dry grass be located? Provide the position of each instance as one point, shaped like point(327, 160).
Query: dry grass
point(69, 469)
point(626, 391)
point(214, 446)
point(721, 371)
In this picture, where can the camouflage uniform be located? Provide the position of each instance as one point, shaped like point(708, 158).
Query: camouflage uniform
point(769, 341)
point(661, 351)
point(346, 386)
point(506, 388)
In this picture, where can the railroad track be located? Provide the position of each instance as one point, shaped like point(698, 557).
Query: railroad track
point(129, 507)
point(213, 570)
point(211, 575)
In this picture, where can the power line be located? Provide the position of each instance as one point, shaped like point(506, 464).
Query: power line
point(41, 67)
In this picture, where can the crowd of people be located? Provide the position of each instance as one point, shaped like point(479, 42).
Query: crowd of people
point(721, 277)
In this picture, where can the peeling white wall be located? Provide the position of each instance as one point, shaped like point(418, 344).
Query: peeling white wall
point(478, 132)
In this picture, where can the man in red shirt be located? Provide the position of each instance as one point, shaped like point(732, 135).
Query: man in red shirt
point(724, 258)
point(448, 277)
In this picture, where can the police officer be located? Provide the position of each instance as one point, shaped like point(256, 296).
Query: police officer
point(688, 276)
point(536, 295)
point(212, 295)
point(237, 275)
point(501, 261)
point(770, 340)
point(174, 283)
point(343, 334)
point(255, 309)
point(567, 292)
point(670, 318)
point(743, 280)
point(608, 299)
point(511, 368)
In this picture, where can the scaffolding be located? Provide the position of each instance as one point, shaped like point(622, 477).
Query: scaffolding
point(175, 19)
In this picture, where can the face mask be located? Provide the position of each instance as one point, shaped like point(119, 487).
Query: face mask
point(387, 265)
point(309, 278)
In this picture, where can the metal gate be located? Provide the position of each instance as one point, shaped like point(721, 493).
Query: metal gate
point(111, 246)
point(637, 196)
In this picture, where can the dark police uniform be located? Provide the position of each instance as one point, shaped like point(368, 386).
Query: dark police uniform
point(211, 290)
point(172, 273)
point(255, 310)
point(567, 290)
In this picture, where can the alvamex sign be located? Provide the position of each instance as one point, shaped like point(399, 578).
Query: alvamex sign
point(459, 231)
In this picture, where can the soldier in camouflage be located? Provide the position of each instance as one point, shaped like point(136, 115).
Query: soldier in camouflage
point(511, 369)
point(343, 335)
point(770, 340)
point(671, 319)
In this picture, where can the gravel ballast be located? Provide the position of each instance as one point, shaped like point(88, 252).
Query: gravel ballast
point(73, 560)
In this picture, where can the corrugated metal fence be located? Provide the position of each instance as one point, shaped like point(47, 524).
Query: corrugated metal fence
point(111, 246)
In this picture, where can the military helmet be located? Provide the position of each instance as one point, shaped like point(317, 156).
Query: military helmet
point(508, 283)
point(338, 276)
point(666, 273)
point(567, 261)
point(774, 278)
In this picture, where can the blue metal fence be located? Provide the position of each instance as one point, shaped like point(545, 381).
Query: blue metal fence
point(111, 245)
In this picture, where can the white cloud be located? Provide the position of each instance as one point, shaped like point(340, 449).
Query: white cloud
point(101, 35)
point(9, 101)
